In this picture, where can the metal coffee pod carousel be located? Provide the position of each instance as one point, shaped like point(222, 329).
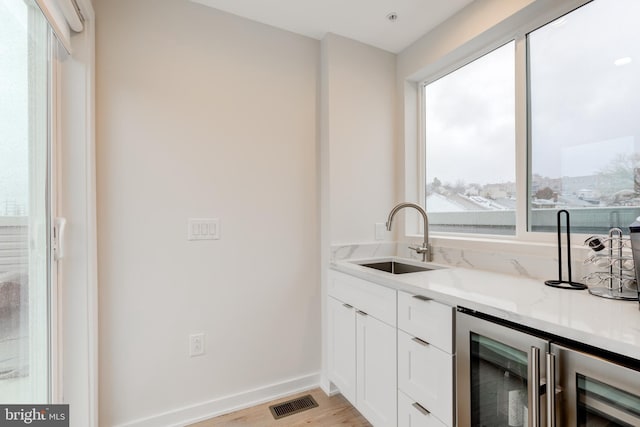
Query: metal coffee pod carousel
point(612, 255)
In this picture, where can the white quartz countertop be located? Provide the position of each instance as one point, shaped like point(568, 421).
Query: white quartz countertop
point(608, 324)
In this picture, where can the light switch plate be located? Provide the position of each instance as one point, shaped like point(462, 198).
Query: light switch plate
point(381, 230)
point(203, 229)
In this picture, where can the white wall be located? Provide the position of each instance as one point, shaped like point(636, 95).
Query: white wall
point(357, 149)
point(203, 114)
point(450, 37)
point(358, 134)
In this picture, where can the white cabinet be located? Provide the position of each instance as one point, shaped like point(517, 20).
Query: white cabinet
point(426, 374)
point(428, 319)
point(426, 362)
point(376, 367)
point(342, 348)
point(362, 346)
point(400, 376)
point(375, 300)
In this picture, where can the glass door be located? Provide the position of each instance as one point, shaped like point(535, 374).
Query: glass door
point(498, 383)
point(595, 391)
point(498, 374)
point(25, 262)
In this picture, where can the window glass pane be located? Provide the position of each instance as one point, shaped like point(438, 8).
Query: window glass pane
point(584, 109)
point(24, 69)
point(470, 147)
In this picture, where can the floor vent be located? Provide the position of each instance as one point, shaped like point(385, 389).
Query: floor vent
point(291, 407)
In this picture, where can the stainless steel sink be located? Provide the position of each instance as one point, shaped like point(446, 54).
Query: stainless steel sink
point(395, 267)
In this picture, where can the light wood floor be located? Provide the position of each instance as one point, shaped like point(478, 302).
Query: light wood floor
point(331, 411)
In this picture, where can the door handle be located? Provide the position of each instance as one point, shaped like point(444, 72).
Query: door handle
point(534, 387)
point(419, 341)
point(361, 313)
point(59, 226)
point(421, 408)
point(422, 298)
point(551, 390)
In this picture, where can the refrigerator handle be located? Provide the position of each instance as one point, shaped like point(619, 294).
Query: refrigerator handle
point(551, 390)
point(534, 387)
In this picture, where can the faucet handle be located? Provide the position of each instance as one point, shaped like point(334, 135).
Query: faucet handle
point(425, 250)
point(421, 249)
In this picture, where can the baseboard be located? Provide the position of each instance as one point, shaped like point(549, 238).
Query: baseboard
point(328, 387)
point(224, 405)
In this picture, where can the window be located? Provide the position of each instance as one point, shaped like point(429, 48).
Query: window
point(582, 99)
point(584, 107)
point(470, 146)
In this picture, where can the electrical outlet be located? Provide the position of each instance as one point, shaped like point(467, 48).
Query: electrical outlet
point(196, 345)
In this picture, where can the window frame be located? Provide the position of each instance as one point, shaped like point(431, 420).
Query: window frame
point(76, 201)
point(488, 42)
point(74, 290)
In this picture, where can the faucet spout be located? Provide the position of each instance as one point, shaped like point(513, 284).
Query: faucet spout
point(425, 249)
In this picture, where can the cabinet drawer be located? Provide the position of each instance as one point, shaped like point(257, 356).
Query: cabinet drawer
point(375, 300)
point(425, 373)
point(411, 415)
point(428, 320)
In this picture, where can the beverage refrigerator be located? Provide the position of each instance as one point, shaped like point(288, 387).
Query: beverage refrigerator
point(504, 371)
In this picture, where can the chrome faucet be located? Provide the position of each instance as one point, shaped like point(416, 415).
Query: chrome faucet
point(425, 249)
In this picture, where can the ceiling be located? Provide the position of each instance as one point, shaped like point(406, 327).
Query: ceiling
point(362, 20)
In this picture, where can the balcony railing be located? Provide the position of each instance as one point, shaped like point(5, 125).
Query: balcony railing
point(586, 220)
point(14, 245)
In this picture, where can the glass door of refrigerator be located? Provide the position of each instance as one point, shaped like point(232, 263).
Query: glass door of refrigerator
point(494, 371)
point(600, 404)
point(498, 383)
point(596, 392)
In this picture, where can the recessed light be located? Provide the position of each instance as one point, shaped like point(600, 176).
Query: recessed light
point(622, 61)
point(392, 17)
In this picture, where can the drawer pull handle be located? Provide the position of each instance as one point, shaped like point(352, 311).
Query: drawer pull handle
point(419, 341)
point(422, 298)
point(421, 408)
point(361, 313)
point(347, 306)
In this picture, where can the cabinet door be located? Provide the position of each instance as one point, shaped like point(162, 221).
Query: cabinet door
point(342, 348)
point(376, 366)
point(425, 373)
